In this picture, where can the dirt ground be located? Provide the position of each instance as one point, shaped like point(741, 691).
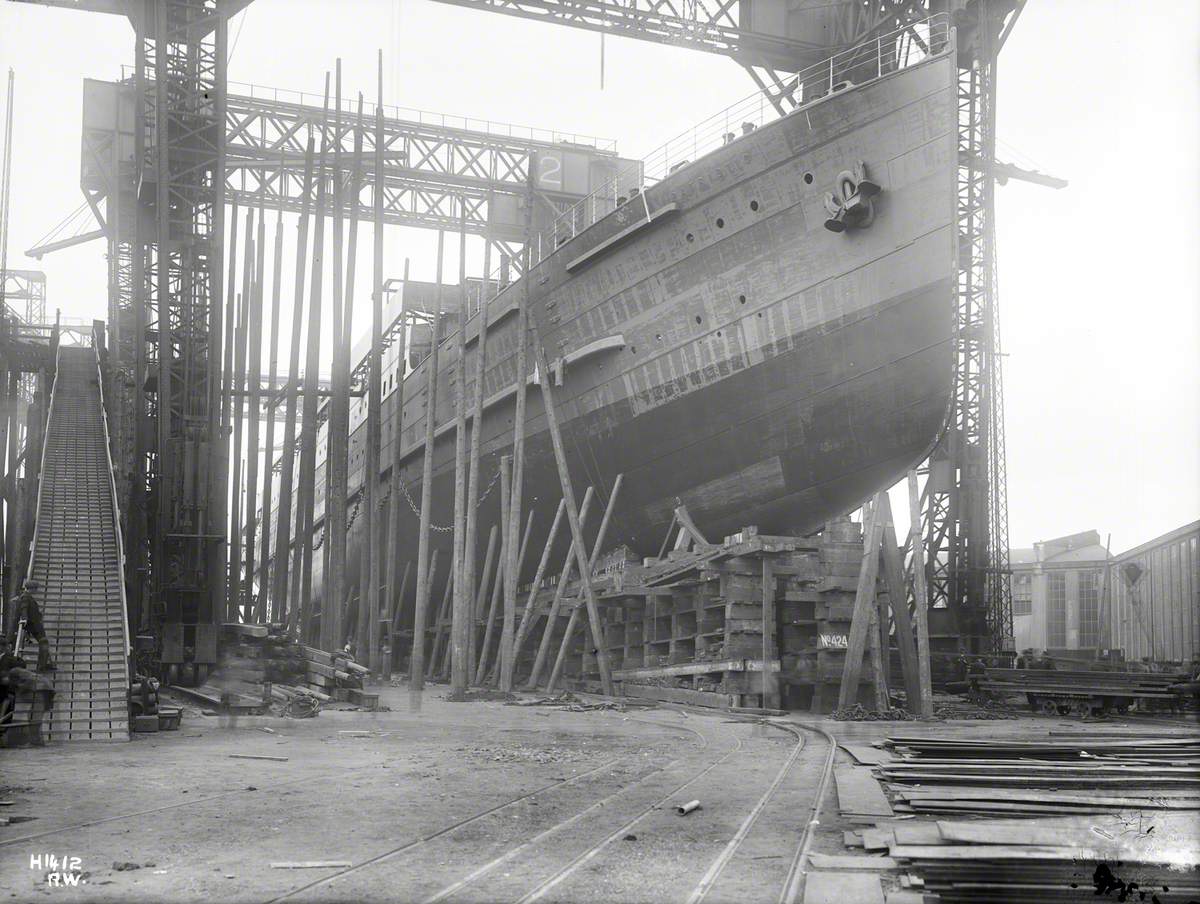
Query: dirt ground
point(459, 801)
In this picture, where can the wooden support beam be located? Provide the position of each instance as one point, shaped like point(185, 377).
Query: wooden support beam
point(263, 612)
point(254, 373)
point(398, 598)
point(460, 626)
point(920, 597)
point(597, 549)
point(374, 570)
point(561, 658)
point(223, 438)
point(527, 616)
point(302, 556)
point(284, 536)
point(489, 561)
point(417, 662)
point(396, 481)
point(861, 619)
point(338, 424)
point(245, 300)
point(470, 542)
point(564, 476)
point(560, 588)
point(770, 681)
point(493, 672)
point(502, 564)
point(438, 654)
point(893, 571)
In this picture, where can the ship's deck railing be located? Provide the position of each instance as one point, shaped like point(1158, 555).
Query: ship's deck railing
point(861, 64)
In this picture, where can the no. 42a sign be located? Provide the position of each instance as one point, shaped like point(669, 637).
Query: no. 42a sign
point(833, 641)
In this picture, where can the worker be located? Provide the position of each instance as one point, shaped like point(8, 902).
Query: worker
point(16, 677)
point(748, 127)
point(1026, 659)
point(27, 610)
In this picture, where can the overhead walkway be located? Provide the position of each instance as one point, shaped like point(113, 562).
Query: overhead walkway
point(76, 556)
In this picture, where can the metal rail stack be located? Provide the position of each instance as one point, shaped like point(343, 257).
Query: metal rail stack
point(76, 556)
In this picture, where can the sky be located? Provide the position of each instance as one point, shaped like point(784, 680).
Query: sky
point(1099, 282)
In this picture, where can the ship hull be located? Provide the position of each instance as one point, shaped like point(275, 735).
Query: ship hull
point(734, 355)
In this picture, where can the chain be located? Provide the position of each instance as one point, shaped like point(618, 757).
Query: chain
point(441, 528)
point(349, 522)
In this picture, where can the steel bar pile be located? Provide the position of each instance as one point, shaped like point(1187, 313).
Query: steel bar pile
point(1060, 775)
point(1113, 856)
point(1093, 683)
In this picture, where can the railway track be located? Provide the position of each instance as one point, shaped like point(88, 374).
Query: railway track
point(549, 863)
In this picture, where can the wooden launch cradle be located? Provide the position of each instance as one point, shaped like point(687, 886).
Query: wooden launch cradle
point(689, 628)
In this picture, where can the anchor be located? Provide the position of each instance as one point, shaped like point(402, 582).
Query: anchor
point(851, 205)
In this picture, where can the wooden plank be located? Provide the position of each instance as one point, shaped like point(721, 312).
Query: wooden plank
point(859, 793)
point(921, 601)
point(855, 862)
point(864, 604)
point(680, 695)
point(831, 887)
point(867, 756)
point(246, 630)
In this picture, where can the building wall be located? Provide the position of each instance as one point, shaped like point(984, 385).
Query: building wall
point(1167, 598)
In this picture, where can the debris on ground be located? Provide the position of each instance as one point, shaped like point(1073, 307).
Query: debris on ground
point(483, 696)
point(859, 713)
point(122, 866)
point(568, 702)
point(690, 807)
point(312, 864)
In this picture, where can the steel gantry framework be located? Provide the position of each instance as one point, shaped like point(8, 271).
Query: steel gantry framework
point(965, 509)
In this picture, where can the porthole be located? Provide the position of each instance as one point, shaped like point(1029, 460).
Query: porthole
point(808, 178)
point(741, 299)
point(720, 223)
point(633, 349)
point(754, 205)
point(760, 314)
point(699, 319)
point(690, 237)
point(658, 337)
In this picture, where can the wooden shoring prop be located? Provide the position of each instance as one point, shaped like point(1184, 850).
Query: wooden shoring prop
point(284, 536)
point(897, 587)
point(505, 489)
point(460, 614)
point(489, 560)
point(564, 476)
point(371, 542)
point(398, 600)
point(861, 621)
point(560, 588)
point(396, 478)
point(512, 573)
point(437, 653)
point(527, 616)
point(770, 681)
point(264, 612)
point(245, 300)
point(920, 598)
point(597, 548)
point(416, 675)
point(338, 423)
point(471, 540)
point(494, 669)
point(254, 408)
point(302, 554)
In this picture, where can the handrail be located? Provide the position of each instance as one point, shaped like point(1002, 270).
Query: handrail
point(116, 513)
point(37, 511)
point(879, 57)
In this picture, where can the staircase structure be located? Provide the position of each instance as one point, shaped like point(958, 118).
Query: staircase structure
point(77, 556)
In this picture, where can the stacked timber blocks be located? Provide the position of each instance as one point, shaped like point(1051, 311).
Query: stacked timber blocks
point(262, 666)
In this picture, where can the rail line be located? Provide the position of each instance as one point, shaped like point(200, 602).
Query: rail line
point(482, 871)
point(432, 836)
point(588, 855)
point(796, 872)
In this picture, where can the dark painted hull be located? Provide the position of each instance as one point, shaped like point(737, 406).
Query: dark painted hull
point(768, 371)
